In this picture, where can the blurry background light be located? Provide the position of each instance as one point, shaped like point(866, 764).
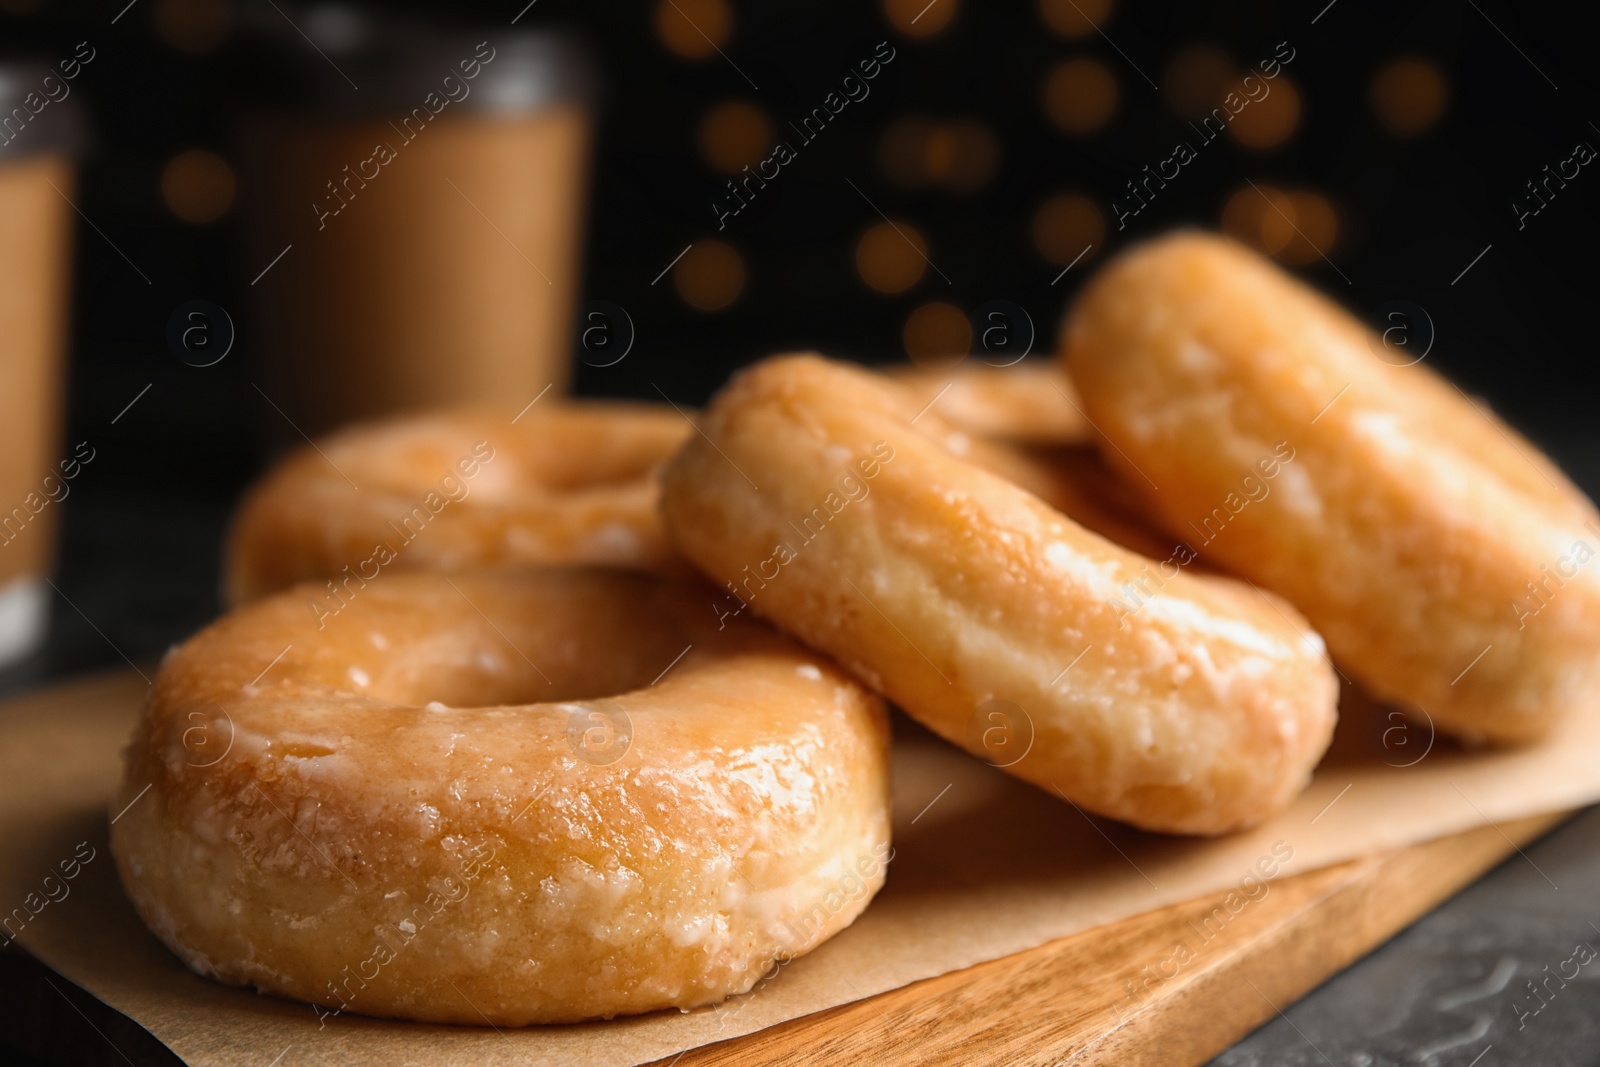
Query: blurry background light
point(693, 29)
point(1068, 228)
point(710, 276)
point(891, 257)
point(1270, 120)
point(960, 156)
point(1080, 95)
point(1316, 228)
point(1295, 227)
point(735, 135)
point(1074, 19)
point(198, 186)
point(920, 18)
point(1261, 216)
point(1408, 95)
point(936, 333)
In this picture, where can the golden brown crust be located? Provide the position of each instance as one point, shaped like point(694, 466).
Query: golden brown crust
point(1030, 402)
point(422, 809)
point(1405, 520)
point(1030, 410)
point(828, 504)
point(570, 482)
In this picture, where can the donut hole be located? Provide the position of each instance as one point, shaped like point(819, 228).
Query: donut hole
point(539, 636)
point(503, 683)
point(497, 674)
point(596, 463)
point(558, 450)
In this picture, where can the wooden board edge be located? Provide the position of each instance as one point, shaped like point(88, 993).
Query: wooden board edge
point(1103, 997)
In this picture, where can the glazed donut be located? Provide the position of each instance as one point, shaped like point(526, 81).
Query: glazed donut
point(438, 812)
point(1031, 402)
point(1164, 699)
point(569, 482)
point(1073, 481)
point(1023, 423)
point(1443, 558)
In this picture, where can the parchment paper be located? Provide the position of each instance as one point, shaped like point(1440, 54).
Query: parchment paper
point(984, 866)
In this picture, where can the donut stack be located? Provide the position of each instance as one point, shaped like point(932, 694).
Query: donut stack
point(581, 713)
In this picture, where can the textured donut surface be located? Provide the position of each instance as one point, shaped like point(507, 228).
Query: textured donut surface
point(570, 482)
point(520, 796)
point(826, 502)
point(1027, 402)
point(1445, 560)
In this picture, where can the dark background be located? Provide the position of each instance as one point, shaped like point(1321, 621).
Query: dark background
point(140, 553)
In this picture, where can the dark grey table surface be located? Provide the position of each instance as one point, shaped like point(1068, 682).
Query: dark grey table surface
point(139, 572)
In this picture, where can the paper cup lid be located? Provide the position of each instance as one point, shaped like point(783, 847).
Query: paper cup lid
point(39, 111)
point(352, 61)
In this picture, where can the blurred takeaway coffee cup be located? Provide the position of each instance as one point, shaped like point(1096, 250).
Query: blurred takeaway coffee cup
point(414, 210)
point(41, 133)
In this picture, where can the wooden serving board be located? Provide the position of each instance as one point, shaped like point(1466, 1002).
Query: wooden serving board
point(1064, 1004)
point(1115, 993)
point(1103, 996)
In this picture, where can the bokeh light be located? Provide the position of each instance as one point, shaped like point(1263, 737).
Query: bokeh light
point(1294, 227)
point(1067, 224)
point(936, 334)
point(198, 186)
point(901, 151)
point(1316, 228)
point(193, 26)
point(959, 156)
point(891, 257)
point(1075, 18)
point(1080, 95)
point(710, 276)
point(1261, 216)
point(694, 29)
point(963, 156)
point(1270, 120)
point(920, 18)
point(1408, 95)
point(1196, 80)
point(735, 135)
